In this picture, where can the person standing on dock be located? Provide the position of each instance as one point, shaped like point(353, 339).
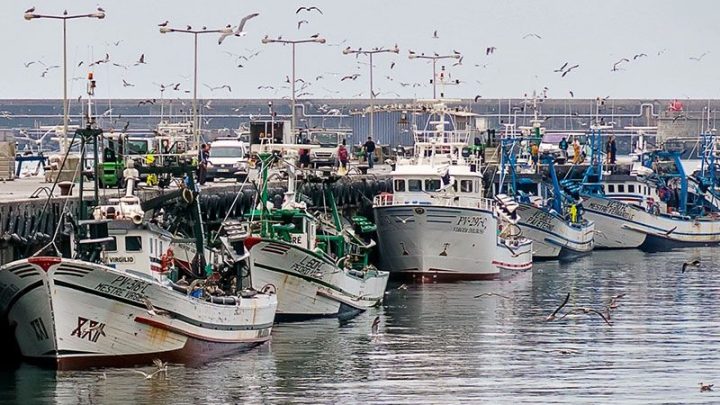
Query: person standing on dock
point(370, 152)
point(204, 161)
point(577, 156)
point(612, 150)
point(535, 154)
point(564, 147)
point(343, 156)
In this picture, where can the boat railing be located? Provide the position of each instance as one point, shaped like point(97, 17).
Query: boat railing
point(439, 200)
point(442, 137)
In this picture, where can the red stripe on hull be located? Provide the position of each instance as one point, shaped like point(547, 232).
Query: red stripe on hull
point(509, 266)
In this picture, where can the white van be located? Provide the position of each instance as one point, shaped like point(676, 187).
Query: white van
point(228, 159)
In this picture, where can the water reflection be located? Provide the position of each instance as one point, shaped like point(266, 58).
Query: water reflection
point(438, 344)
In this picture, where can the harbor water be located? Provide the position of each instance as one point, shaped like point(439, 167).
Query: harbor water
point(438, 344)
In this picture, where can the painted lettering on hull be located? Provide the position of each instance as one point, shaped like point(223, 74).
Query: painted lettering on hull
point(610, 207)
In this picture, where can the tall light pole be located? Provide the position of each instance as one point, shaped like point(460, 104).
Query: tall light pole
point(225, 31)
point(370, 53)
point(29, 15)
point(434, 59)
point(278, 40)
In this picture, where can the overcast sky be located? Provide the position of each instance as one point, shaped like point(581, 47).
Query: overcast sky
point(592, 34)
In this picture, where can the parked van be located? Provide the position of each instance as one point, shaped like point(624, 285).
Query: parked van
point(228, 159)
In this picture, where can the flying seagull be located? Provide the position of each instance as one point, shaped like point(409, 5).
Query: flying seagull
point(690, 263)
point(164, 24)
point(350, 77)
point(572, 94)
point(490, 50)
point(615, 65)
point(30, 10)
point(562, 68)
point(569, 69)
point(698, 58)
point(375, 326)
point(151, 309)
point(308, 9)
point(552, 316)
point(141, 60)
point(435, 35)
point(477, 98)
point(532, 35)
point(640, 55)
point(126, 84)
point(240, 32)
point(301, 22)
point(588, 311)
point(492, 294)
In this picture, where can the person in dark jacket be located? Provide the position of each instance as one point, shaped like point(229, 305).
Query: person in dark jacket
point(370, 152)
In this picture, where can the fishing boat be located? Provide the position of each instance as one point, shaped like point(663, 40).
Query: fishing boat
point(652, 208)
point(550, 217)
point(316, 270)
point(113, 304)
point(436, 225)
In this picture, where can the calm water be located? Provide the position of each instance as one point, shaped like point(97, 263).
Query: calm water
point(440, 345)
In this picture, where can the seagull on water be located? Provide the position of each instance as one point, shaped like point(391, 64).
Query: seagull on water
point(588, 311)
point(690, 263)
point(706, 387)
point(491, 294)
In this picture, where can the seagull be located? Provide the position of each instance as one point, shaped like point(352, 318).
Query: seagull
point(490, 50)
point(47, 69)
point(435, 35)
point(207, 105)
point(562, 68)
point(698, 58)
point(148, 101)
point(572, 94)
point(588, 311)
point(188, 28)
point(126, 84)
point(402, 287)
point(459, 61)
point(100, 9)
point(148, 376)
point(569, 69)
point(224, 86)
point(152, 310)
point(30, 10)
point(301, 23)
point(240, 31)
point(532, 35)
point(308, 9)
point(615, 65)
point(613, 301)
point(27, 64)
point(141, 60)
point(693, 263)
point(492, 294)
point(375, 326)
point(102, 377)
point(706, 387)
point(351, 77)
point(640, 55)
point(477, 98)
point(164, 24)
point(552, 316)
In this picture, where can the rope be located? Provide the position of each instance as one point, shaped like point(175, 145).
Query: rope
point(67, 200)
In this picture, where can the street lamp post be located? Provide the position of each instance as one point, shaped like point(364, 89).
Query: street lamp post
point(370, 53)
point(225, 31)
point(278, 40)
point(434, 59)
point(30, 15)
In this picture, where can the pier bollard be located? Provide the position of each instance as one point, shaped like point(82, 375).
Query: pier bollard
point(66, 187)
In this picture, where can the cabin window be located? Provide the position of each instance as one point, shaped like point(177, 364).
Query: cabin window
point(111, 246)
point(161, 247)
point(133, 243)
point(611, 188)
point(466, 186)
point(631, 188)
point(414, 185)
point(399, 185)
point(152, 247)
point(432, 185)
point(621, 188)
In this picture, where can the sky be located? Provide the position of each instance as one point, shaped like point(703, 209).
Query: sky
point(680, 39)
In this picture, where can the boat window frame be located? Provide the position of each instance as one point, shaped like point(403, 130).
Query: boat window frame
point(397, 182)
point(140, 240)
point(611, 188)
point(428, 184)
point(631, 188)
point(621, 188)
point(419, 185)
point(466, 182)
point(111, 246)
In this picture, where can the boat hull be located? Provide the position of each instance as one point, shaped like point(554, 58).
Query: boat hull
point(439, 243)
point(552, 236)
point(628, 226)
point(71, 314)
point(309, 285)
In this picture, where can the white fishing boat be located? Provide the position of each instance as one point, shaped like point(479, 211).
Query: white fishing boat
point(315, 273)
point(436, 225)
point(653, 208)
point(113, 303)
point(551, 218)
